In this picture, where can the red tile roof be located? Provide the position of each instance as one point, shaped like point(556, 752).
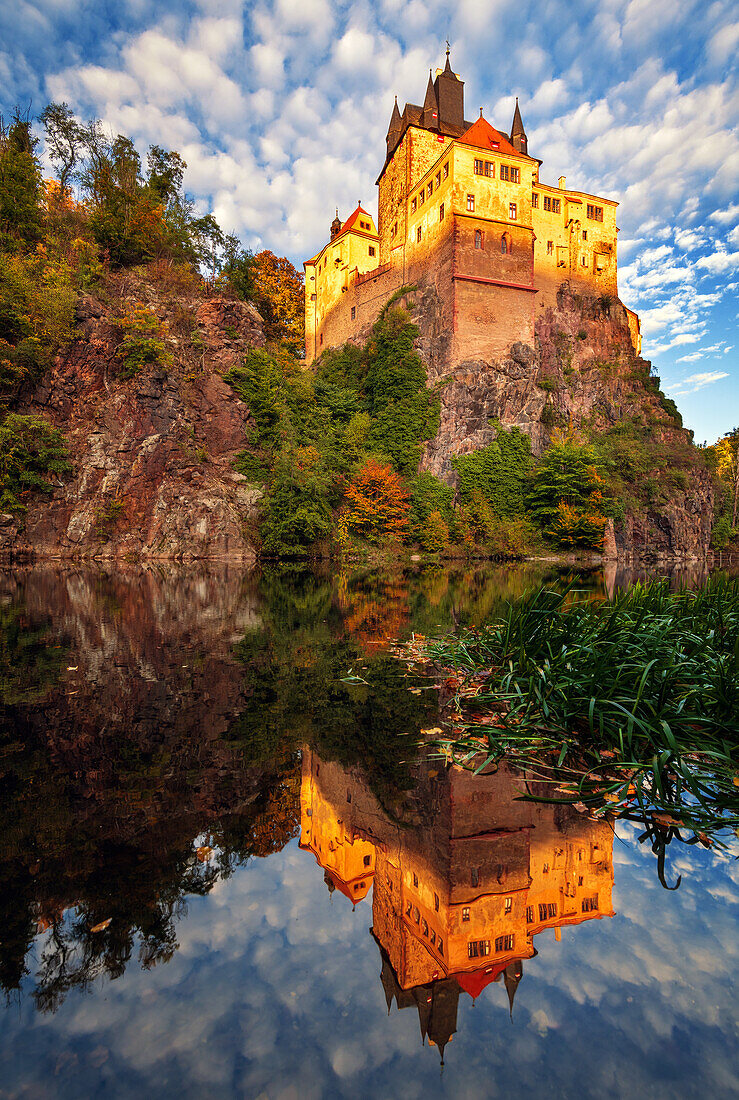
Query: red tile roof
point(485, 136)
point(349, 223)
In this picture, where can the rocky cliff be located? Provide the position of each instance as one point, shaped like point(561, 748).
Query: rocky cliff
point(152, 455)
point(583, 373)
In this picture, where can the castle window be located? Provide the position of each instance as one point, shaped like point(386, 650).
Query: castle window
point(312, 297)
point(471, 203)
point(505, 172)
point(465, 914)
point(584, 234)
point(508, 904)
point(490, 169)
point(529, 914)
point(504, 943)
point(599, 263)
point(446, 170)
point(438, 180)
point(422, 196)
point(512, 211)
point(441, 213)
point(547, 202)
point(367, 861)
point(354, 313)
point(418, 234)
point(479, 239)
point(556, 206)
point(478, 948)
point(416, 914)
point(408, 909)
point(414, 203)
point(506, 245)
point(515, 175)
point(321, 339)
point(425, 928)
point(550, 248)
point(433, 936)
point(430, 189)
point(545, 868)
point(534, 200)
point(542, 912)
point(478, 167)
point(579, 880)
point(371, 250)
point(348, 796)
point(475, 876)
point(436, 902)
point(415, 880)
point(584, 261)
point(595, 213)
point(441, 946)
point(590, 905)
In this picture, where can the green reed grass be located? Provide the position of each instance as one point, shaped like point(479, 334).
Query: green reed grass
point(629, 705)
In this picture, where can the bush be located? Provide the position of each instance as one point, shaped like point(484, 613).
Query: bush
point(143, 342)
point(32, 452)
point(434, 533)
point(428, 495)
point(568, 494)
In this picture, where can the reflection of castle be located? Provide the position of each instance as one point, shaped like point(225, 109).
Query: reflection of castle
point(459, 896)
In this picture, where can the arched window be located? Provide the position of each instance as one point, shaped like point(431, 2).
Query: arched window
point(479, 239)
point(506, 245)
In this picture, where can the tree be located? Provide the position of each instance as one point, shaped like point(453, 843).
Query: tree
point(20, 186)
point(279, 297)
point(65, 142)
point(568, 494)
point(377, 503)
point(726, 453)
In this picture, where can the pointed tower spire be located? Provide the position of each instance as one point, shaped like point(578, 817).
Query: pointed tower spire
point(430, 117)
point(512, 976)
point(394, 129)
point(449, 91)
point(447, 67)
point(519, 141)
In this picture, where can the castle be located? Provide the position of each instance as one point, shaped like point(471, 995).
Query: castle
point(458, 899)
point(462, 213)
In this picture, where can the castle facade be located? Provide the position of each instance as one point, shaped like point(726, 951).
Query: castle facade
point(463, 213)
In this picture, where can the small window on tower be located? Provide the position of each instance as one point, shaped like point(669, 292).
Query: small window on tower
point(371, 250)
point(418, 234)
point(471, 203)
point(584, 234)
point(354, 313)
point(550, 248)
point(441, 213)
point(479, 239)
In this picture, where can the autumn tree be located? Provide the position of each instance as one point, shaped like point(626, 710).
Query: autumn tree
point(279, 297)
point(377, 503)
point(568, 495)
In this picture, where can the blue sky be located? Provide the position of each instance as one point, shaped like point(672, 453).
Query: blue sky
point(280, 108)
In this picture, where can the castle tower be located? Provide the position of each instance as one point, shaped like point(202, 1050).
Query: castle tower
point(519, 141)
point(430, 116)
point(393, 130)
point(450, 97)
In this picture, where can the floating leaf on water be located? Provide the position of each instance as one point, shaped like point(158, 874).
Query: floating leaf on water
point(102, 926)
point(204, 852)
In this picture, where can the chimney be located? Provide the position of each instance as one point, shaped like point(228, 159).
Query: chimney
point(561, 182)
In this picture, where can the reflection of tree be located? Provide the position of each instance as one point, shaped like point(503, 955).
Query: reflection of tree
point(29, 662)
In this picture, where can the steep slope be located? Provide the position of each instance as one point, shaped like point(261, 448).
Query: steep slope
point(152, 453)
point(584, 374)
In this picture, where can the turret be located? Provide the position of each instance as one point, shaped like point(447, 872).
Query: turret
point(430, 117)
point(519, 141)
point(394, 129)
point(450, 96)
point(335, 225)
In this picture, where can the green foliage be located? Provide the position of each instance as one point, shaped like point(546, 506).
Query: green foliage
point(547, 384)
point(297, 512)
point(429, 495)
point(722, 532)
point(498, 473)
point(20, 187)
point(31, 454)
point(434, 535)
point(567, 497)
point(143, 342)
point(671, 409)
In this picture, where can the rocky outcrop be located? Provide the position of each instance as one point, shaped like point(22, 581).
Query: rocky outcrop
point(152, 455)
point(582, 372)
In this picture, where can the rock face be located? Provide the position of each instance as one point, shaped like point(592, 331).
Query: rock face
point(583, 372)
point(152, 456)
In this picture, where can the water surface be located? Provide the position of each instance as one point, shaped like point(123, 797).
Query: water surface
point(225, 872)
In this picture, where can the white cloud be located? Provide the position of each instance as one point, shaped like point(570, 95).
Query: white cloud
point(695, 382)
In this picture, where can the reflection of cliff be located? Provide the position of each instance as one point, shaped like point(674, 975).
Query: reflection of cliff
point(458, 897)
